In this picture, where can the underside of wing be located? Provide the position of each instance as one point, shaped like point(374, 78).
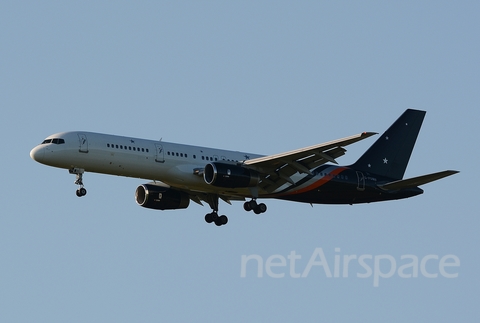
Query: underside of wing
point(211, 199)
point(276, 170)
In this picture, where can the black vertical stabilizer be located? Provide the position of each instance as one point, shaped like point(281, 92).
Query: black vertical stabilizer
point(390, 154)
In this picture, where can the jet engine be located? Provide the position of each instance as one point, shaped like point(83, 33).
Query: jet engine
point(228, 175)
point(161, 198)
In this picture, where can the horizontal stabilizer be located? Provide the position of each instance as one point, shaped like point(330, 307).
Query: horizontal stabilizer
point(416, 181)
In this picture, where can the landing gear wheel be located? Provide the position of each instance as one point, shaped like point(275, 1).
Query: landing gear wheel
point(221, 220)
point(81, 192)
point(262, 207)
point(224, 219)
point(209, 217)
point(257, 208)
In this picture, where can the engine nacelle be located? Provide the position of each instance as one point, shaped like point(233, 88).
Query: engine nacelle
point(161, 198)
point(228, 175)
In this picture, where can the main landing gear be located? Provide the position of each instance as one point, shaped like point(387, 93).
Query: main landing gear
point(81, 191)
point(257, 208)
point(213, 216)
point(220, 220)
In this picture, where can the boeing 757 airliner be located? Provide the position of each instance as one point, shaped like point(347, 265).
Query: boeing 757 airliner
point(182, 173)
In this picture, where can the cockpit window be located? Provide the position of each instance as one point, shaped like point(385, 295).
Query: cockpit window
point(57, 141)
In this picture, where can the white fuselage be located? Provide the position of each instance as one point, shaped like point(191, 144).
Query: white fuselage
point(173, 164)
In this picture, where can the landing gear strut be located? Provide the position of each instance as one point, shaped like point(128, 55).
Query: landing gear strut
point(213, 216)
point(257, 208)
point(81, 191)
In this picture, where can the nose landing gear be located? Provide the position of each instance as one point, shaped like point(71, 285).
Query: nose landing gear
point(81, 191)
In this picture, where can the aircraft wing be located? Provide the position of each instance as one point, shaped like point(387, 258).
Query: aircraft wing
point(276, 170)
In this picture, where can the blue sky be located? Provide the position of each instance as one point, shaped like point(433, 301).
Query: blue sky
point(264, 77)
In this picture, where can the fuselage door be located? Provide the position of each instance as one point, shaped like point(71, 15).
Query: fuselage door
point(361, 181)
point(83, 143)
point(159, 153)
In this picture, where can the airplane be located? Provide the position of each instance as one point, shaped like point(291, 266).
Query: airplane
point(182, 173)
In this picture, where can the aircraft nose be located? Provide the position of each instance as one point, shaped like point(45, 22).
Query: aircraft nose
point(37, 154)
